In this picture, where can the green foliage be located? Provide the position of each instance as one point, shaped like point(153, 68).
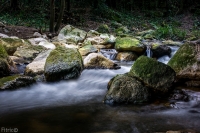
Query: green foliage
point(169, 32)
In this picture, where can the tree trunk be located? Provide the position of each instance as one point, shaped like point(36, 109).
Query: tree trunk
point(52, 16)
point(62, 9)
point(68, 5)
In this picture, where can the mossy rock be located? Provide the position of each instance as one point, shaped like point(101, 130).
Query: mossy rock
point(87, 49)
point(71, 35)
point(4, 65)
point(97, 60)
point(126, 56)
point(185, 62)
point(103, 28)
point(63, 63)
point(126, 89)
point(11, 44)
point(15, 82)
point(28, 52)
point(154, 74)
point(122, 30)
point(127, 44)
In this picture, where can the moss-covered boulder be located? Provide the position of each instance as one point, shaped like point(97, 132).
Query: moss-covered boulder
point(96, 60)
point(63, 63)
point(71, 35)
point(126, 89)
point(103, 28)
point(186, 62)
point(172, 43)
point(154, 74)
point(126, 56)
point(128, 44)
point(4, 66)
point(122, 30)
point(11, 44)
point(87, 49)
point(15, 82)
point(28, 52)
point(36, 67)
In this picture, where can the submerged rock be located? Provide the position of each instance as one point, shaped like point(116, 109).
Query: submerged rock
point(37, 66)
point(126, 89)
point(186, 63)
point(63, 63)
point(15, 82)
point(154, 74)
point(97, 60)
point(128, 44)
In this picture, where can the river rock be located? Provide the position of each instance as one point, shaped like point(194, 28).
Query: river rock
point(97, 60)
point(173, 43)
point(126, 56)
point(47, 45)
point(15, 82)
point(36, 41)
point(154, 74)
point(11, 44)
point(102, 41)
point(126, 89)
point(63, 63)
point(161, 50)
point(28, 52)
point(103, 28)
point(36, 67)
point(71, 35)
point(186, 63)
point(128, 44)
point(87, 49)
point(3, 35)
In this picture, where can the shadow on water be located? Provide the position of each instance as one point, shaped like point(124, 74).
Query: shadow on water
point(75, 106)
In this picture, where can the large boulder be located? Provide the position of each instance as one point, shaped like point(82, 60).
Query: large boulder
point(71, 35)
point(63, 63)
point(126, 89)
point(28, 52)
point(128, 44)
point(15, 82)
point(126, 56)
point(154, 74)
point(36, 67)
point(11, 44)
point(97, 60)
point(186, 63)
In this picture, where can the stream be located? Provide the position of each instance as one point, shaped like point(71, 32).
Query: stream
point(75, 106)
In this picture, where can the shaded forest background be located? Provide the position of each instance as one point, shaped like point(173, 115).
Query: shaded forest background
point(137, 15)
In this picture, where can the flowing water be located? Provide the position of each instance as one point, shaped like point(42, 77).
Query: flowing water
point(75, 106)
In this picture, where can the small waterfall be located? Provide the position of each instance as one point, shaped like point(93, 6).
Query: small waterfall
point(165, 59)
point(148, 51)
point(109, 53)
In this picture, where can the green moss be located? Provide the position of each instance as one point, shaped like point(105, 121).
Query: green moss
point(127, 42)
point(7, 79)
point(3, 53)
point(11, 44)
point(103, 28)
point(184, 56)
